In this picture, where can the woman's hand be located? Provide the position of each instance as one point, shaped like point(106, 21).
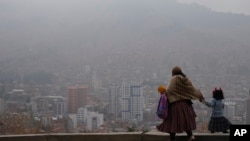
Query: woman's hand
point(202, 101)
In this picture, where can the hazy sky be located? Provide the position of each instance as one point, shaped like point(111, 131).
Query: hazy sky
point(233, 6)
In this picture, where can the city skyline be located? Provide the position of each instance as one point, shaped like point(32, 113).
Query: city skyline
point(94, 66)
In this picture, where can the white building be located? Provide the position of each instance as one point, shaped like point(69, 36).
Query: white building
point(93, 120)
point(229, 109)
point(81, 116)
point(73, 118)
point(132, 102)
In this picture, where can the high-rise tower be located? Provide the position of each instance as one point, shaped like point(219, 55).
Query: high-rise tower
point(132, 102)
point(248, 109)
point(113, 99)
point(77, 97)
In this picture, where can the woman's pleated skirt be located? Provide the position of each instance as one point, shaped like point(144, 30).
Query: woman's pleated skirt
point(181, 118)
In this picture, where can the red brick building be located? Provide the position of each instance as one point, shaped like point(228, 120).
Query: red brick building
point(77, 97)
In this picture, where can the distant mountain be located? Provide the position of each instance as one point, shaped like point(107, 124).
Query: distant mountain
point(59, 37)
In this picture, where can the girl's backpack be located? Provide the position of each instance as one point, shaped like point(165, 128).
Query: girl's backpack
point(162, 109)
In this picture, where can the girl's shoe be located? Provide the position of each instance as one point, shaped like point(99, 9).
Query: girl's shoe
point(192, 138)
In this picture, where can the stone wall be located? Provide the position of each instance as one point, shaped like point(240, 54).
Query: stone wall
point(133, 136)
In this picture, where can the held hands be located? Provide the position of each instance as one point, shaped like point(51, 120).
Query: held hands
point(203, 101)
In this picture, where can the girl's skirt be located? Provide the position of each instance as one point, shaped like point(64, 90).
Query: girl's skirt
point(181, 118)
point(218, 124)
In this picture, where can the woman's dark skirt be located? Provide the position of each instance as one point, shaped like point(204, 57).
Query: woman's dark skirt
point(181, 118)
point(218, 124)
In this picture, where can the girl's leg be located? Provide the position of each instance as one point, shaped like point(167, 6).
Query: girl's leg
point(172, 136)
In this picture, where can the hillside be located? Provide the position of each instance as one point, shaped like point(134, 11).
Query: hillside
point(116, 34)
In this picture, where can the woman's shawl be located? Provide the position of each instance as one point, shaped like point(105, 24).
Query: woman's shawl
point(180, 88)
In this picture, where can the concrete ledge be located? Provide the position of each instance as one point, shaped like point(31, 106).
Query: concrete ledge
point(182, 137)
point(127, 136)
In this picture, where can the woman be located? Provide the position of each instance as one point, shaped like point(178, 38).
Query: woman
point(180, 92)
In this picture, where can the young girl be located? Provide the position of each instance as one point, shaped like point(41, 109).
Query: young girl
point(217, 123)
point(162, 109)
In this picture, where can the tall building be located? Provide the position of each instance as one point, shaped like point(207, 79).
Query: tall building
point(230, 109)
point(96, 82)
point(56, 105)
point(1, 90)
point(81, 116)
point(93, 120)
point(132, 102)
point(2, 105)
point(248, 111)
point(77, 97)
point(113, 100)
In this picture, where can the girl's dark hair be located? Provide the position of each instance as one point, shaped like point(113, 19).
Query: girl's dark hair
point(218, 94)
